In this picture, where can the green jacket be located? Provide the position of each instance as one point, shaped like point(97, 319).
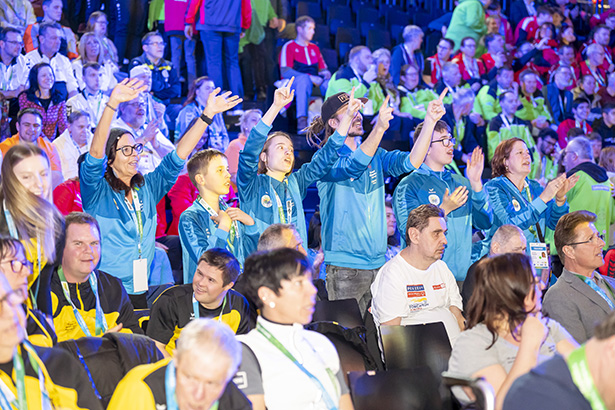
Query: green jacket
point(344, 79)
point(262, 12)
point(487, 103)
point(468, 21)
point(533, 108)
point(415, 102)
point(500, 131)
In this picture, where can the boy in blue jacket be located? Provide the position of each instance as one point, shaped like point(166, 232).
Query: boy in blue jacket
point(463, 200)
point(209, 222)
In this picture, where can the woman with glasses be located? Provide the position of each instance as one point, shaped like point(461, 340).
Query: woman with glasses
point(520, 201)
point(34, 377)
point(122, 199)
point(17, 269)
point(43, 96)
point(28, 215)
point(216, 135)
point(97, 24)
point(506, 333)
point(286, 366)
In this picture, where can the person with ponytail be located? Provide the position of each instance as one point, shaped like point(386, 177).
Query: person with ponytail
point(122, 199)
point(28, 214)
point(269, 191)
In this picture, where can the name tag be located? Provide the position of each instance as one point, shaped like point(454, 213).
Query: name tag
point(139, 275)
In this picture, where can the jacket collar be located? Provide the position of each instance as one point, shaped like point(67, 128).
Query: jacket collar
point(580, 286)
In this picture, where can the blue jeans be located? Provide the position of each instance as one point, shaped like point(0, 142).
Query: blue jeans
point(350, 283)
point(222, 50)
point(179, 44)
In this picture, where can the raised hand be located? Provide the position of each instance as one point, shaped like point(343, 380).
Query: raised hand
point(385, 115)
point(127, 90)
point(237, 214)
point(150, 131)
point(284, 95)
point(220, 103)
point(534, 330)
point(566, 186)
point(553, 188)
point(435, 109)
point(476, 164)
point(455, 200)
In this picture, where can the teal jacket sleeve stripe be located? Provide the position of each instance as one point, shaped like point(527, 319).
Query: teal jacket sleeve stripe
point(482, 214)
point(194, 237)
point(320, 163)
point(348, 166)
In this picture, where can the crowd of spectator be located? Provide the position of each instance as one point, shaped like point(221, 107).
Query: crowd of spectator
point(136, 222)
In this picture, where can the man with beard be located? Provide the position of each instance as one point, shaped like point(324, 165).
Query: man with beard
point(416, 286)
point(544, 165)
point(155, 145)
point(352, 205)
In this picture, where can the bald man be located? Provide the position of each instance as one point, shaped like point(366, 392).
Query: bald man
point(507, 239)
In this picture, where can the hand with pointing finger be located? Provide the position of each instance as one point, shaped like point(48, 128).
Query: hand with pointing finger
point(435, 109)
point(284, 95)
point(385, 115)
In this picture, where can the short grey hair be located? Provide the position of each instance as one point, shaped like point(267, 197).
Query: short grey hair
point(381, 53)
point(463, 96)
point(207, 336)
point(411, 32)
point(271, 238)
point(449, 66)
point(505, 233)
point(582, 147)
point(593, 48)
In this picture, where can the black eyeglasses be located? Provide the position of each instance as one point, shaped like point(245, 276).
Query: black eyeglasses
point(17, 265)
point(594, 239)
point(447, 141)
point(14, 298)
point(127, 150)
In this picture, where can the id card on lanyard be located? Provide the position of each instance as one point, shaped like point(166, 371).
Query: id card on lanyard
point(139, 266)
point(288, 219)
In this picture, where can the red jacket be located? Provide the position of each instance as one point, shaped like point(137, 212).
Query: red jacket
point(465, 74)
point(67, 197)
point(195, 6)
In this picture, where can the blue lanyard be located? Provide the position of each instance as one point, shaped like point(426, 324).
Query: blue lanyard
point(233, 232)
point(197, 314)
point(170, 383)
point(598, 290)
point(101, 322)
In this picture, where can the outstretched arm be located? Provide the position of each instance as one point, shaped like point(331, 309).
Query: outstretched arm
point(371, 143)
point(435, 111)
point(125, 91)
point(215, 105)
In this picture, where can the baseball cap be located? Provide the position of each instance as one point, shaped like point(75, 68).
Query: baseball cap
point(334, 103)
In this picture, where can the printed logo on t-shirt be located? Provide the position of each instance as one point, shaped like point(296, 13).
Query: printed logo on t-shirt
point(417, 297)
point(439, 286)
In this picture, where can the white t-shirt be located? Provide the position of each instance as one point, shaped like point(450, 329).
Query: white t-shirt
point(417, 296)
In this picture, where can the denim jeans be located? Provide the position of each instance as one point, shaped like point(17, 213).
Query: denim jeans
point(222, 50)
point(348, 283)
point(179, 44)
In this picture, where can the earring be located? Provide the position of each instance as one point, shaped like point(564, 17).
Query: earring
point(272, 305)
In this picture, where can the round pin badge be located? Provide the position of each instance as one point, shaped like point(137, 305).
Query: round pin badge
point(516, 205)
point(434, 199)
point(266, 201)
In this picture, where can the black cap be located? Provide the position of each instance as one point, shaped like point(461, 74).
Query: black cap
point(334, 103)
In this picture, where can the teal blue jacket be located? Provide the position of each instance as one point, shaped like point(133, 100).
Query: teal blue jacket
point(425, 186)
point(352, 210)
point(255, 190)
point(198, 233)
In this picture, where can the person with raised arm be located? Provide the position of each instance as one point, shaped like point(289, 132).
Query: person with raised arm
point(352, 205)
point(124, 201)
point(268, 189)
